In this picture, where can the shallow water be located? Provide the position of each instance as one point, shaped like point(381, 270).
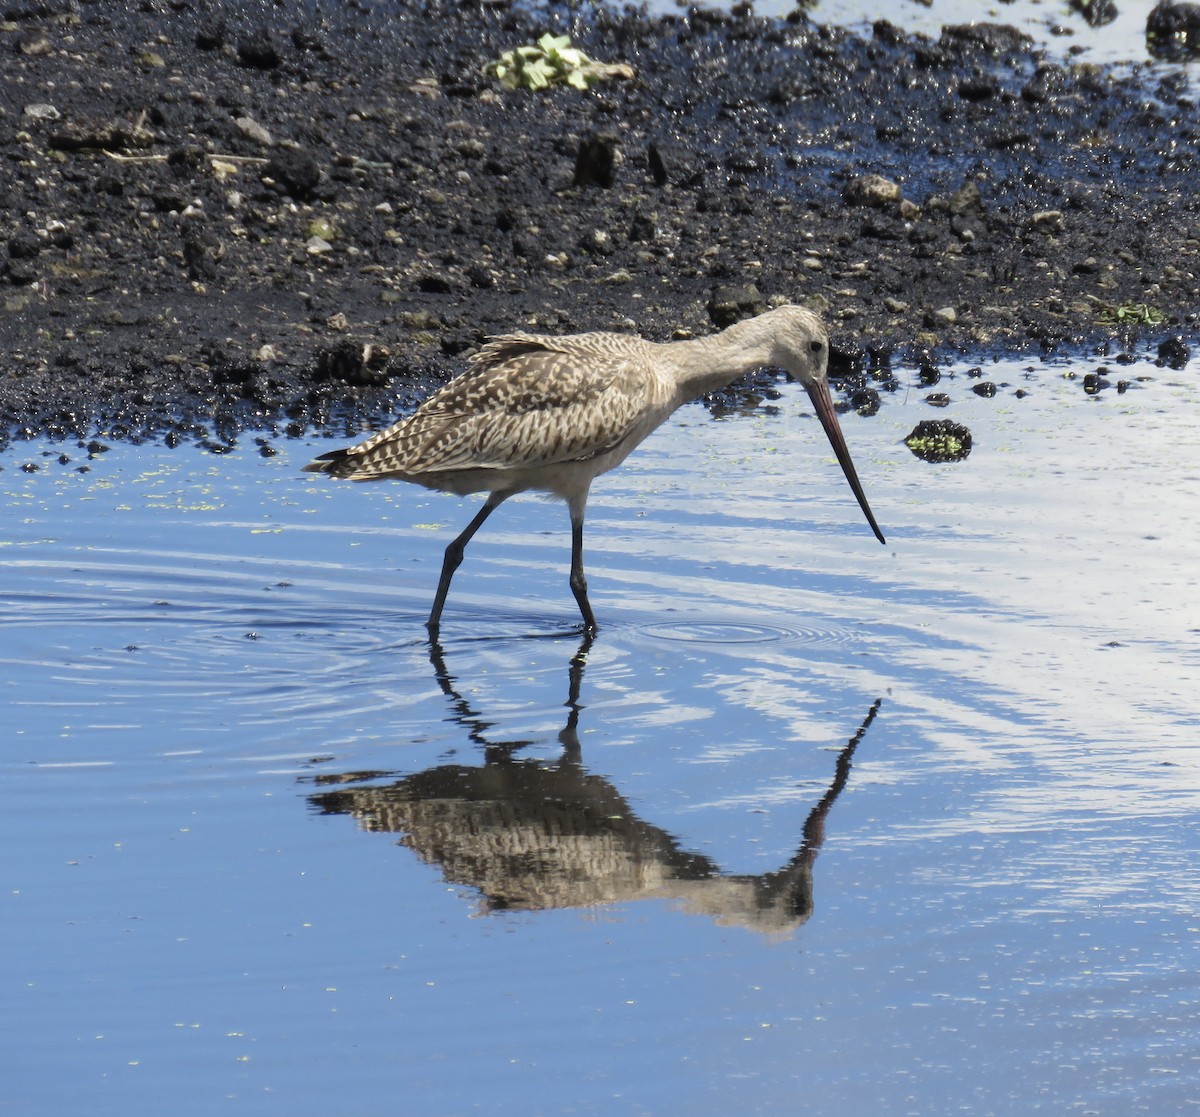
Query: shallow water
point(812, 824)
point(1054, 25)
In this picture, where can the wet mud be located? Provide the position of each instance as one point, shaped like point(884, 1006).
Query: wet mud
point(217, 219)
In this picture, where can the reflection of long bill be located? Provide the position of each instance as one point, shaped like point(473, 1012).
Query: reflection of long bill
point(822, 401)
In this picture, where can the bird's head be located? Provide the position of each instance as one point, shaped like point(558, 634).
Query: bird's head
point(798, 344)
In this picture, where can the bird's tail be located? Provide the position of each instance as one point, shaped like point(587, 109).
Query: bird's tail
point(337, 463)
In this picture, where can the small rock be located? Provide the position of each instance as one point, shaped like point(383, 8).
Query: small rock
point(642, 227)
point(984, 388)
point(943, 316)
point(252, 130)
point(871, 190)
point(598, 243)
point(997, 38)
point(732, 304)
point(1096, 12)
point(295, 171)
point(258, 51)
point(347, 361)
point(321, 227)
point(847, 357)
point(937, 399)
point(865, 401)
point(40, 111)
point(895, 306)
point(312, 39)
point(818, 304)
point(210, 35)
point(168, 200)
point(33, 45)
point(24, 246)
point(1048, 221)
point(1174, 352)
point(202, 252)
point(421, 320)
point(670, 163)
point(434, 283)
point(1173, 30)
point(966, 201)
point(886, 32)
point(597, 160)
point(978, 89)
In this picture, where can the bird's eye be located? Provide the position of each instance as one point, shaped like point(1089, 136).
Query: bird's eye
point(816, 346)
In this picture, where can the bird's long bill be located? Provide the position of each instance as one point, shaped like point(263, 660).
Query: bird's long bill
point(818, 392)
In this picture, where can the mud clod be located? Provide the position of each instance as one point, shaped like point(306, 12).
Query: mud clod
point(939, 440)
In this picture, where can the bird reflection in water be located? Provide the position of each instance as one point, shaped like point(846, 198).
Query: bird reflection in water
point(531, 835)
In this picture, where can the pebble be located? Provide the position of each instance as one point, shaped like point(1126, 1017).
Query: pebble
point(252, 130)
point(872, 190)
point(1049, 221)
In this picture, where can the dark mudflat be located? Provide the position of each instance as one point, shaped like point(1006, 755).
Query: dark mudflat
point(218, 218)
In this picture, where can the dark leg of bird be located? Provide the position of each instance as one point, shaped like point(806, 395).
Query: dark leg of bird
point(578, 580)
point(454, 557)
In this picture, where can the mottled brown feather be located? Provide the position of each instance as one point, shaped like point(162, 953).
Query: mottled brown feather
point(525, 401)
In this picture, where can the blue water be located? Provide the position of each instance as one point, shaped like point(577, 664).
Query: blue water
point(813, 825)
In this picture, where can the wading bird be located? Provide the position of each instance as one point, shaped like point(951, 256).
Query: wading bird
point(550, 414)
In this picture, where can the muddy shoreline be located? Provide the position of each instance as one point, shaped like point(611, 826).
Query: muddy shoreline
point(223, 219)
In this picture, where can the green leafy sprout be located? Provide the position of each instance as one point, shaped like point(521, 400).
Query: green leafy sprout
point(552, 61)
point(1133, 314)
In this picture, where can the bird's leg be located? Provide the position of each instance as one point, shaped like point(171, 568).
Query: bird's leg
point(454, 557)
point(578, 579)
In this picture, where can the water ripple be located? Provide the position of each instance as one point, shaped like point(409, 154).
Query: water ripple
point(740, 632)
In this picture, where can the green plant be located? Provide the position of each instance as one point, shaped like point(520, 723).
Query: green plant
point(939, 440)
point(1133, 314)
point(552, 61)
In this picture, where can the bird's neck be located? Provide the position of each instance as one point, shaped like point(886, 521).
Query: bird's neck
point(706, 364)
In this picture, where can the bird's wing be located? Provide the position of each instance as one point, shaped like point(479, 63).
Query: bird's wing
point(525, 401)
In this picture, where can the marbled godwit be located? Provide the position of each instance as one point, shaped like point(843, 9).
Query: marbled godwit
point(552, 413)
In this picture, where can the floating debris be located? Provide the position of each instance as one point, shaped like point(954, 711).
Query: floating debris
point(939, 440)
